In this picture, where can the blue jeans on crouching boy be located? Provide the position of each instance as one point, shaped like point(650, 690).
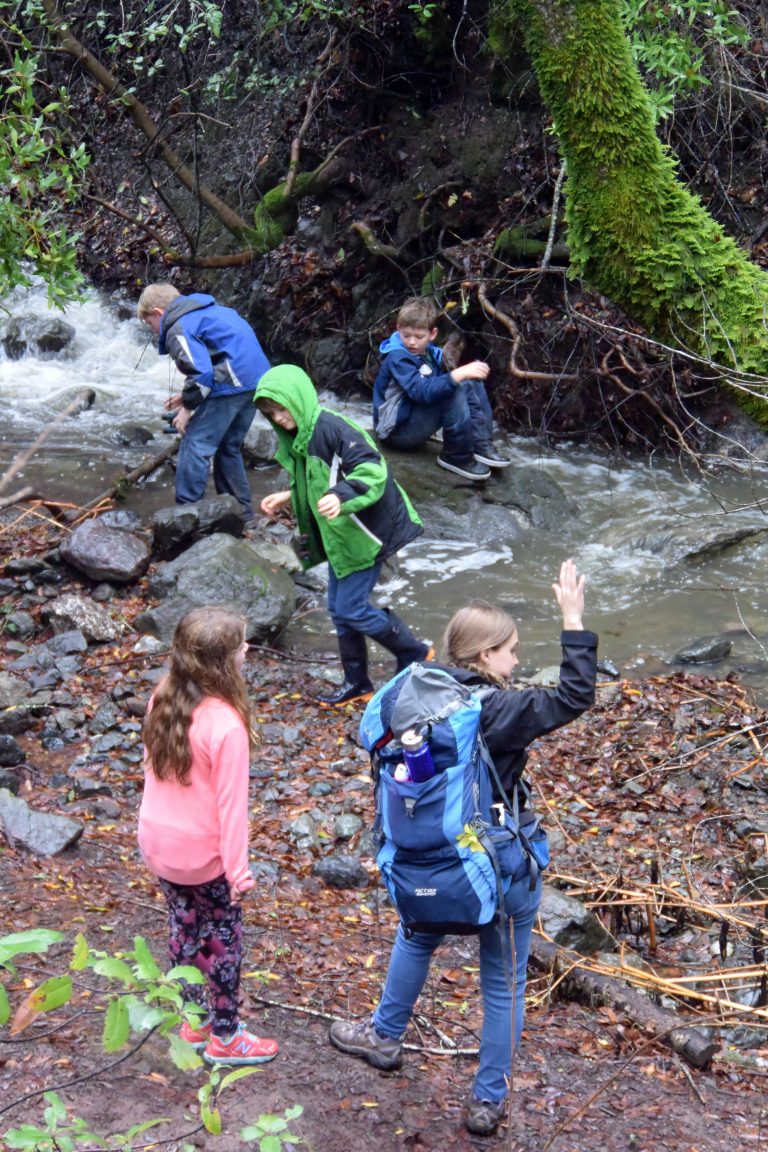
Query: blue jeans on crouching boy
point(465, 417)
point(409, 967)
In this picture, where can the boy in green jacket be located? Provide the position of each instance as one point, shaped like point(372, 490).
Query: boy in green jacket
point(349, 511)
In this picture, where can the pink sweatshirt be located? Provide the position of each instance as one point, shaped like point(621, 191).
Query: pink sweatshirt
point(191, 833)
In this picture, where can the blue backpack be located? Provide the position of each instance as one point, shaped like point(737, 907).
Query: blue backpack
point(448, 853)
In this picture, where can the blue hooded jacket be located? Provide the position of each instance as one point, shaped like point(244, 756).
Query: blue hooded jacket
point(213, 346)
point(405, 380)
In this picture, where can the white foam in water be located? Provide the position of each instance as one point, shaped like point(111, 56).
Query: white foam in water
point(113, 357)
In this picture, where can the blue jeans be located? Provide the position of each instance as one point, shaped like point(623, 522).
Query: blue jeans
point(465, 417)
point(409, 967)
point(216, 431)
point(349, 602)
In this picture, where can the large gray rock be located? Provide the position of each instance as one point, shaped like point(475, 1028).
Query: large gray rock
point(31, 334)
point(220, 570)
point(571, 925)
point(678, 541)
point(71, 611)
point(43, 833)
point(705, 650)
point(105, 553)
point(504, 508)
point(260, 443)
point(174, 529)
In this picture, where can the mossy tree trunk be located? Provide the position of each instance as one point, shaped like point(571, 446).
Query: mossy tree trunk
point(634, 231)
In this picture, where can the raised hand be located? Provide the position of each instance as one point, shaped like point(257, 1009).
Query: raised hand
point(569, 592)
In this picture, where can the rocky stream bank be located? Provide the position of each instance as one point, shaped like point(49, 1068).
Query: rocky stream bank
point(654, 913)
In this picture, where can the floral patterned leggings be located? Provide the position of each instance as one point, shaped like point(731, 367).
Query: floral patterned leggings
point(206, 929)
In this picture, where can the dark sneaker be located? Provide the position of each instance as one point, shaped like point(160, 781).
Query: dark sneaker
point(483, 1116)
point(491, 457)
point(360, 1038)
point(347, 693)
point(469, 469)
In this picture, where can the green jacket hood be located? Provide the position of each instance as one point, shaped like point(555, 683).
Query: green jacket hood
point(291, 388)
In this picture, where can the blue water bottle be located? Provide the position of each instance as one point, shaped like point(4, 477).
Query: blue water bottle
point(417, 756)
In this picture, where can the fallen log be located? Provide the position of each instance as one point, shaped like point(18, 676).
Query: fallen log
point(579, 983)
point(149, 465)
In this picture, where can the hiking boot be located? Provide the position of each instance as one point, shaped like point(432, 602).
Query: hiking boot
point(360, 1038)
point(469, 469)
point(491, 457)
point(197, 1037)
point(483, 1116)
point(347, 693)
point(242, 1048)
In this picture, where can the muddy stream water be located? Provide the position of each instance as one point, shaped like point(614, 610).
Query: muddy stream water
point(640, 531)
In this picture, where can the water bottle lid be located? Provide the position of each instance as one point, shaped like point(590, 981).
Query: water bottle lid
point(411, 739)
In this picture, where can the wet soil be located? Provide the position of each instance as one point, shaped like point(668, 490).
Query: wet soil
point(585, 1077)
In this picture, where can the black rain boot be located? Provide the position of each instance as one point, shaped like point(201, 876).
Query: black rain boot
point(354, 660)
point(402, 643)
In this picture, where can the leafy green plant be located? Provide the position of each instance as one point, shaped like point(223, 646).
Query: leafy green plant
point(140, 998)
point(670, 39)
point(40, 174)
point(272, 1131)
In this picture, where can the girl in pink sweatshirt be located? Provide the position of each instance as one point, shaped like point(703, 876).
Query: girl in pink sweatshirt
point(193, 821)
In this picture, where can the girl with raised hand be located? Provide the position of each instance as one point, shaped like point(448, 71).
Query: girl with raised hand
point(480, 650)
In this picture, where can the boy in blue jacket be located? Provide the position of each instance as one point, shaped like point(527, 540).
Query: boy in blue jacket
point(218, 353)
point(414, 394)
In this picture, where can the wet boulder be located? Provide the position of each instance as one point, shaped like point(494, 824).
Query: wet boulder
point(220, 570)
point(705, 650)
point(677, 542)
point(33, 335)
point(174, 529)
point(105, 553)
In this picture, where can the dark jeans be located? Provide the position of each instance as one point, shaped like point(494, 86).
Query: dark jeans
point(216, 431)
point(465, 417)
point(205, 929)
point(349, 602)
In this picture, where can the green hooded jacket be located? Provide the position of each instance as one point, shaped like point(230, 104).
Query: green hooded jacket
point(329, 453)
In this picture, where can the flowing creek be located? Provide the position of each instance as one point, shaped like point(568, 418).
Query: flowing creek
point(634, 525)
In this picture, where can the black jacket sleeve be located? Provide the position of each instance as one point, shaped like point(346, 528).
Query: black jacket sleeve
point(513, 718)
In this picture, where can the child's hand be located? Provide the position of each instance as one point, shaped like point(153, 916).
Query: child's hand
point(182, 418)
point(570, 596)
point(273, 503)
point(329, 506)
point(173, 402)
point(477, 370)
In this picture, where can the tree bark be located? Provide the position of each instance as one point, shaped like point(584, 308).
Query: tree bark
point(634, 231)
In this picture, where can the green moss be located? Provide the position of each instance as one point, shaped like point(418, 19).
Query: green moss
point(634, 231)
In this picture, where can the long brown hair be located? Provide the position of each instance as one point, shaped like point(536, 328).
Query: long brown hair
point(474, 629)
point(202, 663)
